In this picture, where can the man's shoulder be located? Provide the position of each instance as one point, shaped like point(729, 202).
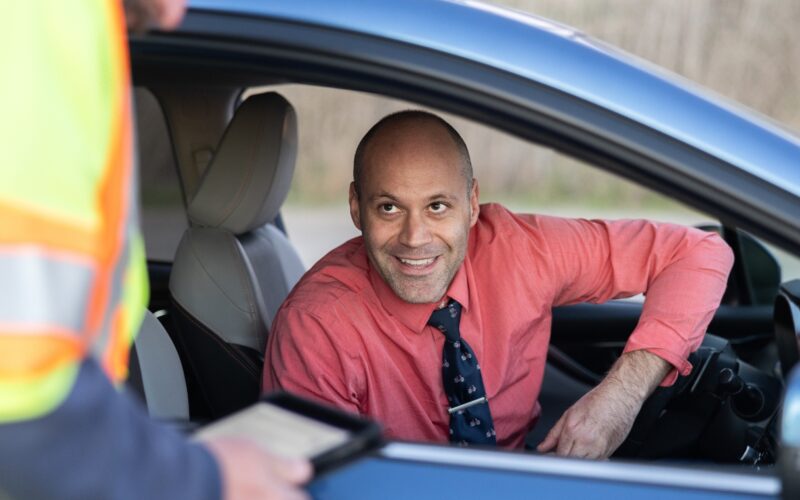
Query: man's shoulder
point(504, 235)
point(497, 220)
point(493, 211)
point(340, 277)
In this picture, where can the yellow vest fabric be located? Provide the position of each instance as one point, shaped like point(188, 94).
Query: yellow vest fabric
point(72, 262)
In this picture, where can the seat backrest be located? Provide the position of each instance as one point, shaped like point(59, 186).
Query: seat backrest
point(156, 373)
point(233, 269)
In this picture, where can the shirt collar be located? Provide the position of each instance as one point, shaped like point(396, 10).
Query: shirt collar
point(415, 316)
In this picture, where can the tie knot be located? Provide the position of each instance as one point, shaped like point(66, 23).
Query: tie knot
point(446, 320)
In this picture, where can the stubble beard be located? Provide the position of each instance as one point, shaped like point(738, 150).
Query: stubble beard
point(419, 289)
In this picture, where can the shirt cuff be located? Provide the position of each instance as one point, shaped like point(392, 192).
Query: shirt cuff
point(666, 345)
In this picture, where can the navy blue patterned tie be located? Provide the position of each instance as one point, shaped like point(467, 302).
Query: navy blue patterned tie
point(470, 418)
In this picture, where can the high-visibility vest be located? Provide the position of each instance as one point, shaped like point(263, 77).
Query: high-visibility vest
point(73, 279)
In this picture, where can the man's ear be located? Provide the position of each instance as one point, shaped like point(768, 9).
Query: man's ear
point(474, 204)
point(355, 213)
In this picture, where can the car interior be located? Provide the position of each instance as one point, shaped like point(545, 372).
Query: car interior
point(217, 156)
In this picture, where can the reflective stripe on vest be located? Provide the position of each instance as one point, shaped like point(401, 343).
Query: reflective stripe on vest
point(33, 288)
point(72, 271)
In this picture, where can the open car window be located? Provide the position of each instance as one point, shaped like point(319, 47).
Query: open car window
point(523, 176)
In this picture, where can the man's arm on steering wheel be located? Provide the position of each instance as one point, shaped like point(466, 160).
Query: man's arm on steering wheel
point(599, 422)
point(683, 273)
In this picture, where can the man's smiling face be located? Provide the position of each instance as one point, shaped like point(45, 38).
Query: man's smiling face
point(415, 208)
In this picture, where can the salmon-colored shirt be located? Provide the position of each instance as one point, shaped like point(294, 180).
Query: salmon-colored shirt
point(343, 337)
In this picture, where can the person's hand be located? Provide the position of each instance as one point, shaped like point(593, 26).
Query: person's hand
point(595, 426)
point(162, 14)
point(599, 422)
point(248, 472)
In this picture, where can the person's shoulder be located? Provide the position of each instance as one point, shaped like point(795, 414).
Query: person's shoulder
point(497, 220)
point(493, 211)
point(506, 233)
point(496, 217)
point(340, 277)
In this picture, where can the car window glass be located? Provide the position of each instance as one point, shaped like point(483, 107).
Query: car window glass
point(163, 214)
point(523, 176)
point(789, 263)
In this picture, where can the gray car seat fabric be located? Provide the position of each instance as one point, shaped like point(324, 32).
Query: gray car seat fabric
point(248, 178)
point(157, 372)
point(233, 269)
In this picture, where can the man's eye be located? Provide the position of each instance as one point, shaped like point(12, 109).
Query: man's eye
point(437, 207)
point(388, 208)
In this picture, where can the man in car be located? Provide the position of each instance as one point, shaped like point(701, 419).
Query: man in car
point(74, 283)
point(436, 321)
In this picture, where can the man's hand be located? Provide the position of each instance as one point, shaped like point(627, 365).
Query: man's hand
point(599, 422)
point(249, 472)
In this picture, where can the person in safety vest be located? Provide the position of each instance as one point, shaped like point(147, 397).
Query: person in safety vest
point(73, 279)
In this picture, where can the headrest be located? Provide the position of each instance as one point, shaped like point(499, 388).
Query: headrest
point(248, 178)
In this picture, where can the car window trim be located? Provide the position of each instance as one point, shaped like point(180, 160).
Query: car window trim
point(312, 55)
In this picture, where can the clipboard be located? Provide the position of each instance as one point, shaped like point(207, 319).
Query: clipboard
point(289, 425)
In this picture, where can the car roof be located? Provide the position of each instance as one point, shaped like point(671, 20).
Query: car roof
point(560, 58)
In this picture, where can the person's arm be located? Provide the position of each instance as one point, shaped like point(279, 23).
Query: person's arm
point(98, 443)
point(596, 425)
point(682, 271)
point(309, 356)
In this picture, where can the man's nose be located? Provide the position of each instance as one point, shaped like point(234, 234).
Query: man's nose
point(415, 232)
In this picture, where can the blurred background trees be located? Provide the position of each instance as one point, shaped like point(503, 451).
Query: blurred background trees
point(747, 50)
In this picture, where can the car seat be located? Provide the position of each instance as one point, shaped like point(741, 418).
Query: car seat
point(156, 374)
point(233, 267)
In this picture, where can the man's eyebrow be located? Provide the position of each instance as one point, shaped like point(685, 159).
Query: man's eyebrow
point(434, 197)
point(442, 196)
point(382, 194)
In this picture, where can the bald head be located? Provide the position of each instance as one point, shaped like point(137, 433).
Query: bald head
point(409, 133)
point(414, 201)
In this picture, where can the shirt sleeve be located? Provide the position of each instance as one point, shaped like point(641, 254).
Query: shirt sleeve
point(100, 443)
point(304, 357)
point(682, 271)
